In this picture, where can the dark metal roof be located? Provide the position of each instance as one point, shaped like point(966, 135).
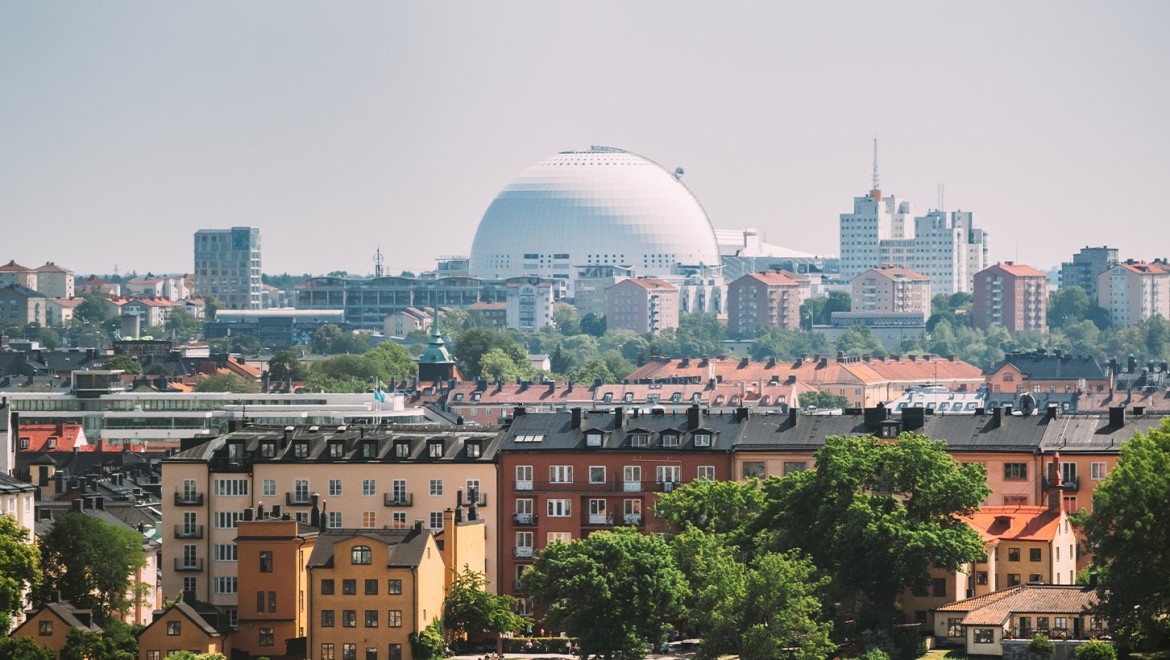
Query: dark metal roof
point(555, 431)
point(1038, 365)
point(405, 546)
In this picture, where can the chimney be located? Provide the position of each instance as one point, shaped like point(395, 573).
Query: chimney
point(1131, 364)
point(576, 417)
point(741, 414)
point(518, 411)
point(619, 417)
point(793, 413)
point(1053, 411)
point(913, 418)
point(75, 506)
point(99, 503)
point(694, 417)
point(1117, 416)
point(248, 513)
point(418, 526)
point(1055, 486)
point(315, 511)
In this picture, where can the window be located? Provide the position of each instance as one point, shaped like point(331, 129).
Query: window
point(1034, 554)
point(701, 440)
point(671, 440)
point(753, 470)
point(434, 450)
point(349, 587)
point(267, 449)
point(938, 587)
point(301, 490)
point(221, 551)
point(1070, 504)
point(394, 618)
point(335, 487)
point(334, 520)
point(260, 601)
point(395, 652)
point(371, 618)
point(301, 450)
point(230, 487)
point(154, 655)
point(327, 587)
point(348, 651)
point(473, 493)
point(227, 519)
point(669, 474)
point(402, 450)
point(190, 584)
point(394, 587)
point(174, 628)
point(597, 474)
point(794, 466)
point(1015, 500)
point(560, 474)
point(369, 487)
point(436, 520)
point(954, 628)
point(1042, 623)
point(1068, 472)
point(1015, 471)
point(371, 587)
point(349, 618)
point(327, 652)
point(636, 440)
point(1060, 623)
point(225, 585)
point(474, 449)
point(984, 636)
point(368, 519)
point(523, 477)
point(336, 450)
point(981, 577)
point(436, 487)
point(594, 440)
point(360, 554)
point(706, 472)
point(1097, 471)
point(398, 520)
point(268, 488)
point(326, 618)
point(559, 537)
point(1035, 578)
point(1013, 579)
point(1013, 554)
point(271, 601)
point(559, 508)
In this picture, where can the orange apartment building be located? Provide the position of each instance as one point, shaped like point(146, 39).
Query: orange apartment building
point(1012, 295)
point(770, 299)
point(272, 555)
point(1057, 372)
point(565, 475)
point(366, 478)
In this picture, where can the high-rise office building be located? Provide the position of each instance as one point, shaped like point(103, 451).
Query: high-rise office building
point(227, 266)
point(1086, 266)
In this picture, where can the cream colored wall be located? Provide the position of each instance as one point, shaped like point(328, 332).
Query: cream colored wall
point(431, 576)
point(173, 475)
point(994, 648)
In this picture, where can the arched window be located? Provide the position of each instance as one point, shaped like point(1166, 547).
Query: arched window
point(360, 554)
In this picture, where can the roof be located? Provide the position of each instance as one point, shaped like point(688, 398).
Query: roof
point(10, 485)
point(67, 302)
point(483, 305)
point(996, 608)
point(406, 546)
point(13, 267)
point(51, 267)
point(72, 616)
point(24, 291)
point(815, 371)
point(555, 431)
point(1018, 270)
point(1042, 365)
point(647, 283)
point(771, 278)
point(512, 393)
point(1145, 269)
point(67, 435)
point(895, 273)
point(1016, 523)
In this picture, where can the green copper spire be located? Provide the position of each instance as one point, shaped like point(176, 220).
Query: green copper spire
point(436, 352)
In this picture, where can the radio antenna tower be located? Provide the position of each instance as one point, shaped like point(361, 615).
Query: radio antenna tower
point(875, 164)
point(378, 261)
point(942, 197)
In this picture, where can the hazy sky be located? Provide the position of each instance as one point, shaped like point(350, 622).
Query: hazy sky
point(337, 127)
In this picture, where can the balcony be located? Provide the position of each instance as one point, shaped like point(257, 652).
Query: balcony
point(598, 519)
point(525, 519)
point(522, 552)
point(188, 499)
point(188, 564)
point(1070, 486)
point(188, 531)
point(397, 499)
point(632, 519)
point(478, 499)
point(631, 486)
point(524, 484)
point(297, 499)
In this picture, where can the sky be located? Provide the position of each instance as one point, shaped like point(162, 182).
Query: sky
point(341, 128)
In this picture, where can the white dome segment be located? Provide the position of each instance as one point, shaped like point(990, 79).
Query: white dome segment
point(600, 206)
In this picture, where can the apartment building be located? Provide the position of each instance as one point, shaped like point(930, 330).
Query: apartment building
point(54, 281)
point(14, 273)
point(1086, 266)
point(645, 305)
point(1133, 292)
point(528, 303)
point(227, 266)
point(891, 290)
point(1042, 371)
point(185, 626)
point(363, 477)
point(1012, 295)
point(770, 299)
point(564, 475)
point(22, 305)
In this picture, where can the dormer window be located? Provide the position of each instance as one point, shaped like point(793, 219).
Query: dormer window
point(267, 449)
point(652, 398)
point(235, 450)
point(676, 397)
point(402, 450)
point(52, 444)
point(473, 449)
point(697, 397)
point(719, 400)
point(735, 400)
point(475, 396)
point(639, 439)
point(608, 398)
point(628, 397)
point(702, 439)
point(336, 450)
point(592, 439)
point(369, 449)
point(24, 443)
point(459, 397)
point(670, 440)
point(301, 450)
point(435, 449)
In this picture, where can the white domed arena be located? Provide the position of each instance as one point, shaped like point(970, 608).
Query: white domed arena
point(595, 207)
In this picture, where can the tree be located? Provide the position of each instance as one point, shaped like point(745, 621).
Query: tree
point(558, 361)
point(1041, 647)
point(1095, 649)
point(722, 508)
point(286, 365)
point(244, 343)
point(24, 648)
point(823, 400)
point(428, 644)
point(876, 516)
point(93, 309)
point(323, 338)
point(342, 373)
point(471, 345)
point(1128, 532)
point(567, 321)
point(226, 383)
point(392, 362)
point(611, 590)
point(90, 562)
point(593, 324)
point(860, 340)
point(593, 371)
point(183, 326)
point(19, 569)
point(123, 362)
point(496, 364)
point(470, 609)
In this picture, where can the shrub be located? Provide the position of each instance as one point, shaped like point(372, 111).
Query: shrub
point(1041, 646)
point(1096, 650)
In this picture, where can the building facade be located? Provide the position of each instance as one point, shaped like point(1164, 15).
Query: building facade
point(22, 305)
point(529, 303)
point(1012, 295)
point(1086, 266)
point(891, 290)
point(1133, 292)
point(645, 305)
point(227, 266)
point(54, 281)
point(765, 300)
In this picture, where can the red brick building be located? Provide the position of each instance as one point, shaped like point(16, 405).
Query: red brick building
point(1012, 295)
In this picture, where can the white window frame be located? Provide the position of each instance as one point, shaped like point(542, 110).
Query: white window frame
point(436, 487)
point(559, 508)
point(705, 472)
point(597, 474)
point(560, 474)
point(268, 488)
point(335, 488)
point(369, 487)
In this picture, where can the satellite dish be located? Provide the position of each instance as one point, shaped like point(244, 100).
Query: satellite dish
point(678, 172)
point(1027, 404)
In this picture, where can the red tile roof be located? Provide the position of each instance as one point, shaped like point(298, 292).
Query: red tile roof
point(14, 267)
point(996, 608)
point(648, 283)
point(896, 273)
point(773, 278)
point(51, 267)
point(1146, 269)
point(815, 372)
point(1016, 523)
point(1019, 270)
point(67, 436)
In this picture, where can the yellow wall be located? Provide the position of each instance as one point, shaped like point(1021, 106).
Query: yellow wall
point(191, 637)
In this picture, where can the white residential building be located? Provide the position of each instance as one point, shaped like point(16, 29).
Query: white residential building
point(1133, 292)
point(530, 304)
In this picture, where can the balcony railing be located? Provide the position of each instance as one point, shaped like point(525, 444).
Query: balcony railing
point(188, 498)
point(598, 519)
point(522, 552)
point(1070, 486)
point(398, 499)
point(188, 531)
point(525, 519)
point(634, 519)
point(610, 485)
point(184, 564)
point(523, 484)
point(297, 499)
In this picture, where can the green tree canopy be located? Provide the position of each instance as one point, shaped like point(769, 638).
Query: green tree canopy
point(183, 326)
point(860, 340)
point(610, 590)
point(876, 516)
point(1128, 534)
point(226, 383)
point(20, 569)
point(286, 365)
point(342, 373)
point(473, 344)
point(722, 508)
point(823, 400)
point(591, 371)
point(469, 608)
point(90, 562)
point(123, 362)
point(593, 324)
point(497, 364)
point(93, 309)
point(392, 362)
point(24, 648)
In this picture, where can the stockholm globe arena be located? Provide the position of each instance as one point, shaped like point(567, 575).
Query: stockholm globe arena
point(596, 207)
